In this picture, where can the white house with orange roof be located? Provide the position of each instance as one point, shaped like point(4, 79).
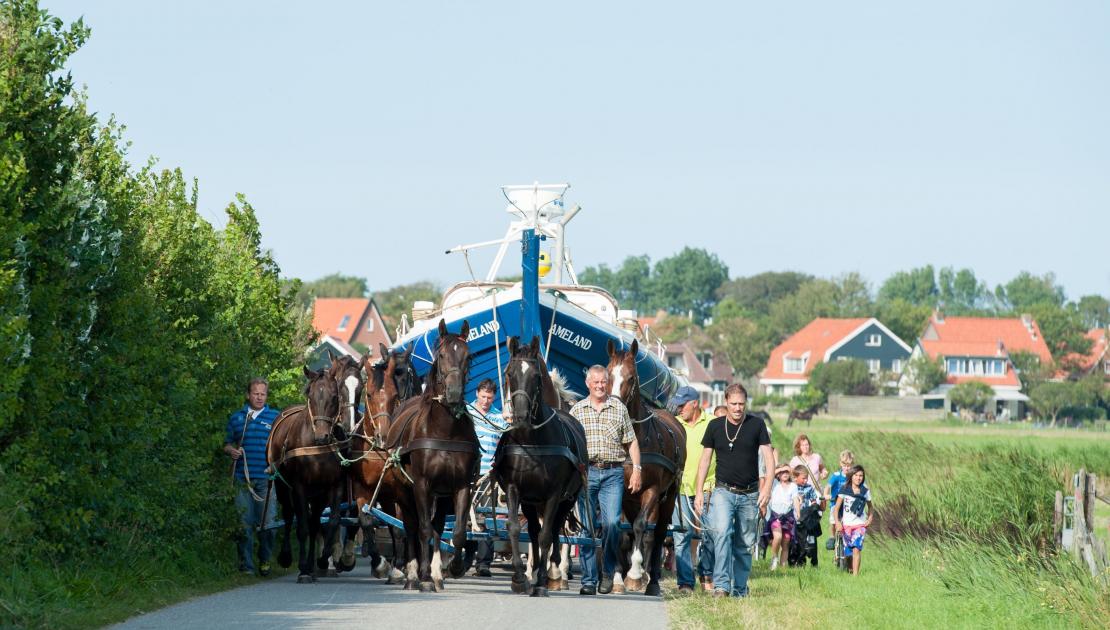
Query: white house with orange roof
point(828, 339)
point(1097, 359)
point(978, 349)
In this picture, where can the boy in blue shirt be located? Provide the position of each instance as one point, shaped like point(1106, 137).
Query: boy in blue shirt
point(832, 490)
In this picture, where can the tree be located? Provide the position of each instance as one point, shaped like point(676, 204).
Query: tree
point(747, 344)
point(916, 286)
point(1094, 310)
point(1050, 398)
point(924, 374)
point(904, 319)
point(631, 283)
point(1026, 291)
point(398, 300)
point(971, 396)
point(335, 285)
point(687, 282)
point(843, 377)
point(1063, 329)
point(1029, 369)
point(754, 295)
point(962, 293)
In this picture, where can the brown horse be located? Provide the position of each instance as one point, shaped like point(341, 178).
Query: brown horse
point(302, 453)
point(662, 443)
point(539, 464)
point(434, 438)
point(371, 473)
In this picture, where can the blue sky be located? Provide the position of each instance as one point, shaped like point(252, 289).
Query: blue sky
point(815, 136)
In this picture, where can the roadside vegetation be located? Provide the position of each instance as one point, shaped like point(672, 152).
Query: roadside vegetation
point(962, 538)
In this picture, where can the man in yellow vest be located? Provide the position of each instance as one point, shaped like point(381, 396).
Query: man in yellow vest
point(686, 405)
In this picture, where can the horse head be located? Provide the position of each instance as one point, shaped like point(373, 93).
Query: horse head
point(524, 376)
point(405, 379)
point(322, 403)
point(623, 378)
point(381, 395)
point(348, 378)
point(451, 365)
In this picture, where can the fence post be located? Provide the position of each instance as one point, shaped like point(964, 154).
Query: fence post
point(1079, 528)
point(1058, 520)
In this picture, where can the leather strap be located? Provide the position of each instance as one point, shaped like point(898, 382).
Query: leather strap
point(437, 444)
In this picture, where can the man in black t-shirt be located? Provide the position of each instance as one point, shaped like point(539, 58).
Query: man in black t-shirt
point(736, 440)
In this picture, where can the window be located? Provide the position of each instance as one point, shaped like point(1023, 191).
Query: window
point(1106, 366)
point(706, 360)
point(975, 366)
point(874, 340)
point(873, 366)
point(996, 367)
point(795, 365)
point(369, 324)
point(343, 322)
point(896, 366)
point(675, 362)
point(957, 366)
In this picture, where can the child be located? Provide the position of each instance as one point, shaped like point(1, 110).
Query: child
point(836, 482)
point(851, 504)
point(807, 525)
point(784, 506)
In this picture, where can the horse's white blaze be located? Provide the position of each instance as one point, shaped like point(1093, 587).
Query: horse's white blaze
point(618, 379)
point(352, 386)
point(410, 570)
point(524, 367)
point(636, 571)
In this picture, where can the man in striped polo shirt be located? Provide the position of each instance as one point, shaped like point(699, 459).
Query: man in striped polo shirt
point(488, 424)
point(247, 432)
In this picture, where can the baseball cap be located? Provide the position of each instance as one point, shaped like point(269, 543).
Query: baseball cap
point(684, 395)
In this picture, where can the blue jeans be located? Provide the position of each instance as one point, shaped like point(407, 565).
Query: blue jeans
point(733, 518)
point(684, 562)
point(605, 490)
point(250, 511)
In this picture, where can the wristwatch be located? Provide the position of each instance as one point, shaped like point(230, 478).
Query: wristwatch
point(637, 467)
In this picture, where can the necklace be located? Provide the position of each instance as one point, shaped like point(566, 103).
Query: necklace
point(733, 438)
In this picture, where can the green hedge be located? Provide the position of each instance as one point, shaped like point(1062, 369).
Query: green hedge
point(128, 329)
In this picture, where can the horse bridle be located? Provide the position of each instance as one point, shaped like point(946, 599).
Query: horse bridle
point(534, 407)
point(441, 375)
point(312, 418)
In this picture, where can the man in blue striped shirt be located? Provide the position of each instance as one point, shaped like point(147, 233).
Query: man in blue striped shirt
point(488, 424)
point(248, 429)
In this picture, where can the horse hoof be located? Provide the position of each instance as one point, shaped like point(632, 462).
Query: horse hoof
point(564, 584)
point(653, 590)
point(539, 591)
point(554, 585)
point(345, 566)
point(438, 585)
point(285, 558)
point(427, 587)
point(619, 588)
point(331, 573)
point(632, 584)
point(322, 563)
point(411, 585)
point(305, 579)
point(519, 586)
point(456, 569)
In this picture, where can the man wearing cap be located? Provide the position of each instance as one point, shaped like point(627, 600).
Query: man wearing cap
point(686, 407)
point(739, 495)
point(609, 436)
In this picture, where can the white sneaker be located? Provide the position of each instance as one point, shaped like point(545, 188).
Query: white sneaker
point(774, 563)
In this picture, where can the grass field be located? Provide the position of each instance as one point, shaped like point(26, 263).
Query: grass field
point(961, 539)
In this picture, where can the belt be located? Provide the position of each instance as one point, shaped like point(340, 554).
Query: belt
point(606, 465)
point(739, 489)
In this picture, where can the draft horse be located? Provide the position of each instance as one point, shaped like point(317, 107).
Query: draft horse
point(539, 465)
point(434, 439)
point(371, 473)
point(662, 443)
point(301, 452)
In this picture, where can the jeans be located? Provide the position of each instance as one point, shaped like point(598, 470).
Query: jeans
point(605, 490)
point(250, 511)
point(733, 518)
point(684, 562)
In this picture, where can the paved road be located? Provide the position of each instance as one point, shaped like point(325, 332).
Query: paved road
point(356, 597)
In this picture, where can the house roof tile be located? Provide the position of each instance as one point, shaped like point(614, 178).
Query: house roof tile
point(328, 314)
point(981, 336)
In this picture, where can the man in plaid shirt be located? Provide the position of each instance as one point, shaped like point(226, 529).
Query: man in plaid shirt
point(609, 436)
